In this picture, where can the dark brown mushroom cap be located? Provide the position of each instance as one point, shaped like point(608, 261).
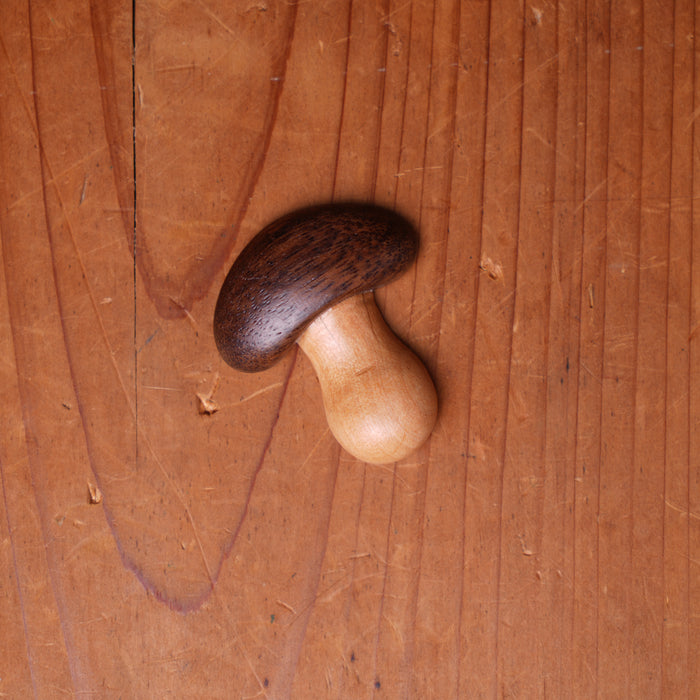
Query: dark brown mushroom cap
point(297, 267)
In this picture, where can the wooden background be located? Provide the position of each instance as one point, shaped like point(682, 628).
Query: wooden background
point(171, 528)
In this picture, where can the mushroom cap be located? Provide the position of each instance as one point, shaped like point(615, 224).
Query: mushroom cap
point(297, 267)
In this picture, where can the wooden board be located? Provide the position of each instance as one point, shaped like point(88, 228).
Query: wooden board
point(169, 527)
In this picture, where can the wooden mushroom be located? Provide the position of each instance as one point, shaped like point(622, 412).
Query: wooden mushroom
point(308, 278)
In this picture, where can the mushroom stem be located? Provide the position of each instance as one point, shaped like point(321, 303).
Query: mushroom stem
point(380, 400)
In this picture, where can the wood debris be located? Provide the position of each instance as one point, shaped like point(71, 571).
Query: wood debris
point(94, 494)
point(207, 405)
point(491, 268)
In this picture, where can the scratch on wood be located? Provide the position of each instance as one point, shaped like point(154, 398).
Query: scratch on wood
point(187, 313)
point(540, 138)
point(216, 19)
point(517, 88)
point(313, 449)
point(590, 195)
point(258, 392)
point(287, 606)
point(682, 511)
point(178, 68)
point(420, 169)
point(183, 503)
point(360, 555)
point(54, 178)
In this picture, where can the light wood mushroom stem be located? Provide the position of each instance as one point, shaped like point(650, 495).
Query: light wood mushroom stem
point(380, 401)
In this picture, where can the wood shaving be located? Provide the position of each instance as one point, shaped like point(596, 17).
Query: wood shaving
point(94, 494)
point(207, 405)
point(491, 268)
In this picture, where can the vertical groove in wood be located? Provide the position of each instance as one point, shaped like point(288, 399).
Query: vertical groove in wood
point(490, 381)
point(651, 399)
point(676, 642)
point(524, 564)
point(693, 474)
point(435, 614)
point(564, 342)
point(395, 642)
point(589, 371)
point(619, 371)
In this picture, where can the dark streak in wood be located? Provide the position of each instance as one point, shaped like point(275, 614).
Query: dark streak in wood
point(116, 124)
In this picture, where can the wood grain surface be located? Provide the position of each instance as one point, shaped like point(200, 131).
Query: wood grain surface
point(297, 268)
point(172, 528)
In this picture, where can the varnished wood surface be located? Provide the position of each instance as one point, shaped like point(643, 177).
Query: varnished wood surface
point(299, 266)
point(169, 528)
point(380, 401)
